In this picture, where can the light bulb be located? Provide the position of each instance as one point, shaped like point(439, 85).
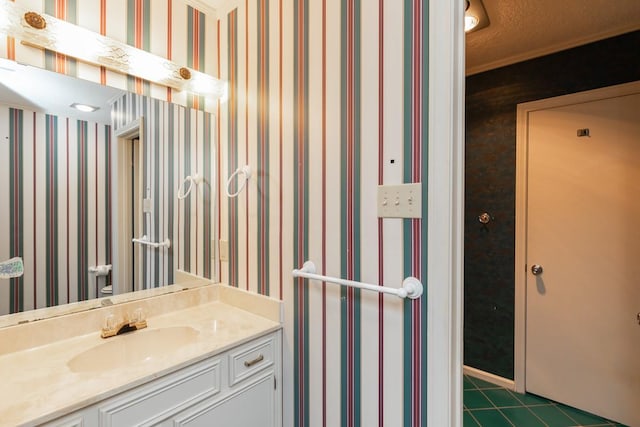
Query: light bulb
point(470, 22)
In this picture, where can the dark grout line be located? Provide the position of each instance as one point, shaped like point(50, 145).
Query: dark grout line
point(536, 415)
point(498, 409)
point(518, 397)
point(475, 419)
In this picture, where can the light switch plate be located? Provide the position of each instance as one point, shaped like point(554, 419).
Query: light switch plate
point(224, 250)
point(400, 201)
point(146, 205)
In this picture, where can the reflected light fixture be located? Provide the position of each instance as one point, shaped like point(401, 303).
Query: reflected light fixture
point(46, 32)
point(84, 107)
point(475, 16)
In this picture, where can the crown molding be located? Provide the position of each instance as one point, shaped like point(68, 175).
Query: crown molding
point(204, 7)
point(547, 50)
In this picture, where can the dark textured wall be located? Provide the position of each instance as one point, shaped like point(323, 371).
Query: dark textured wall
point(491, 103)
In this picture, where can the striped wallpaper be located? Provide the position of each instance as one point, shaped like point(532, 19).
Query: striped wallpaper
point(138, 35)
point(169, 28)
point(57, 176)
point(62, 9)
point(327, 100)
point(53, 216)
point(178, 142)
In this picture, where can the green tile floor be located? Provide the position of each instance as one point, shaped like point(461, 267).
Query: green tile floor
point(488, 405)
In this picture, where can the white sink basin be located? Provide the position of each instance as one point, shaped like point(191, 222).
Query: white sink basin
point(133, 348)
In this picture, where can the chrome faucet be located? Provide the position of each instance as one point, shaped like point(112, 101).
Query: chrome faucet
point(130, 323)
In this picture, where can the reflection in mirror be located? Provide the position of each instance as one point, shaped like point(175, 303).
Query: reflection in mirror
point(78, 187)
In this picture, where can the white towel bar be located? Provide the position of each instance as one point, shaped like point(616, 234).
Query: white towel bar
point(411, 287)
point(144, 240)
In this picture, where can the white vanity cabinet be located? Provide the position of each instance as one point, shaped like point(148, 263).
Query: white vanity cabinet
point(241, 387)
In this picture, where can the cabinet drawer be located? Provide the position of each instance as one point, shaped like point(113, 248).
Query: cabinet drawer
point(251, 358)
point(151, 404)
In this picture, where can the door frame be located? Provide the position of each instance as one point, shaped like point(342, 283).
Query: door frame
point(522, 159)
point(121, 217)
point(445, 190)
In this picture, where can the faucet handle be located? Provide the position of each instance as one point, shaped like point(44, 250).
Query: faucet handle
point(137, 315)
point(113, 325)
point(110, 322)
point(138, 318)
point(110, 326)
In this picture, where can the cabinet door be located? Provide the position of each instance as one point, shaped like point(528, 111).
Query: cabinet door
point(162, 399)
point(87, 417)
point(251, 405)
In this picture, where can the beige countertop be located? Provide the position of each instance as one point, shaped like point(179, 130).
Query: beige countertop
point(39, 386)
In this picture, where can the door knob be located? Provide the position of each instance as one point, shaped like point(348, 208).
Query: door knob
point(638, 317)
point(536, 269)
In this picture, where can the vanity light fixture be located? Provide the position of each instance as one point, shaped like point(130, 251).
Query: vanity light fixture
point(84, 107)
point(475, 16)
point(46, 32)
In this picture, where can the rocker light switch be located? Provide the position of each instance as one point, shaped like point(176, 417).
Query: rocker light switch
point(400, 201)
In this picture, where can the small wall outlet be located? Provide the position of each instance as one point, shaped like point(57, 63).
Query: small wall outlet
point(224, 250)
point(400, 201)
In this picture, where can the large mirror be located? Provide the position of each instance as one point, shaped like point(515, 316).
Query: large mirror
point(100, 203)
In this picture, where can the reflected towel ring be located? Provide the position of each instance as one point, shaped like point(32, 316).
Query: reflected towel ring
point(246, 170)
point(196, 178)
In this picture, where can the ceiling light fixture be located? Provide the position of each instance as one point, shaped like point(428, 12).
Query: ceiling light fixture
point(475, 16)
point(84, 107)
point(470, 22)
point(46, 32)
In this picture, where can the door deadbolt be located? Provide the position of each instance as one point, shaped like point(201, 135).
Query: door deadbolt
point(536, 269)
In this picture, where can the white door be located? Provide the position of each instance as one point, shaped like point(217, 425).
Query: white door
point(583, 229)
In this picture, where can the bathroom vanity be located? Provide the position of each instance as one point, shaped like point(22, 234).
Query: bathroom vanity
point(210, 356)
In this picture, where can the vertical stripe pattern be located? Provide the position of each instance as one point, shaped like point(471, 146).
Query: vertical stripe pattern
point(11, 46)
point(218, 191)
point(169, 41)
point(263, 193)
point(275, 46)
point(350, 227)
point(170, 155)
point(51, 209)
point(381, 348)
point(103, 31)
point(324, 211)
point(186, 171)
point(66, 10)
point(59, 197)
point(232, 130)
point(196, 26)
point(138, 35)
point(351, 114)
point(301, 209)
point(81, 212)
point(415, 102)
point(16, 199)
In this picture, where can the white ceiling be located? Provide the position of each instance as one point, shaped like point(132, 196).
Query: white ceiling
point(524, 29)
point(44, 91)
